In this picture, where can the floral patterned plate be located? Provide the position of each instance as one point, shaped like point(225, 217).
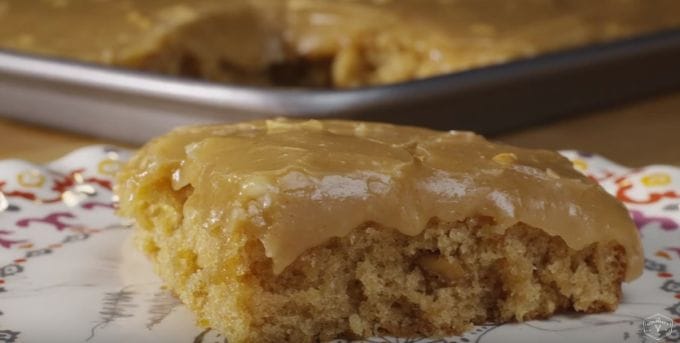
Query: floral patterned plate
point(68, 273)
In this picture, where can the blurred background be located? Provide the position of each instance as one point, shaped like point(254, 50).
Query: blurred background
point(597, 76)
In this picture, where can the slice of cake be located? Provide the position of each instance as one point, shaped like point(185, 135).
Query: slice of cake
point(306, 231)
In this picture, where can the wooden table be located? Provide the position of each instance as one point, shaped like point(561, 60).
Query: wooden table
point(638, 134)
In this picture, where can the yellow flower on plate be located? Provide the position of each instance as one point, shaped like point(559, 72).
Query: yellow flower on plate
point(109, 167)
point(656, 179)
point(580, 165)
point(31, 179)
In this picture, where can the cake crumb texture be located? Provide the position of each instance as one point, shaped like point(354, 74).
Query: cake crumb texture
point(378, 281)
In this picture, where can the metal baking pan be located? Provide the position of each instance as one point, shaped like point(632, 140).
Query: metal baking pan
point(132, 106)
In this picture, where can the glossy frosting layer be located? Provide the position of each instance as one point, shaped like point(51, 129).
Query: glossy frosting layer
point(297, 184)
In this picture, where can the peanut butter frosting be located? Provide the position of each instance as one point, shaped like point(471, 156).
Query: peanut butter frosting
point(297, 184)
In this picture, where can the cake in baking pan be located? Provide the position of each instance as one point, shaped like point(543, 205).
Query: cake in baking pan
point(318, 43)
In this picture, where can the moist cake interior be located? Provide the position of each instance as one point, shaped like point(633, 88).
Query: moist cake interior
point(377, 281)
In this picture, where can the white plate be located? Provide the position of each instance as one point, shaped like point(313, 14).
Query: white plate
point(68, 273)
